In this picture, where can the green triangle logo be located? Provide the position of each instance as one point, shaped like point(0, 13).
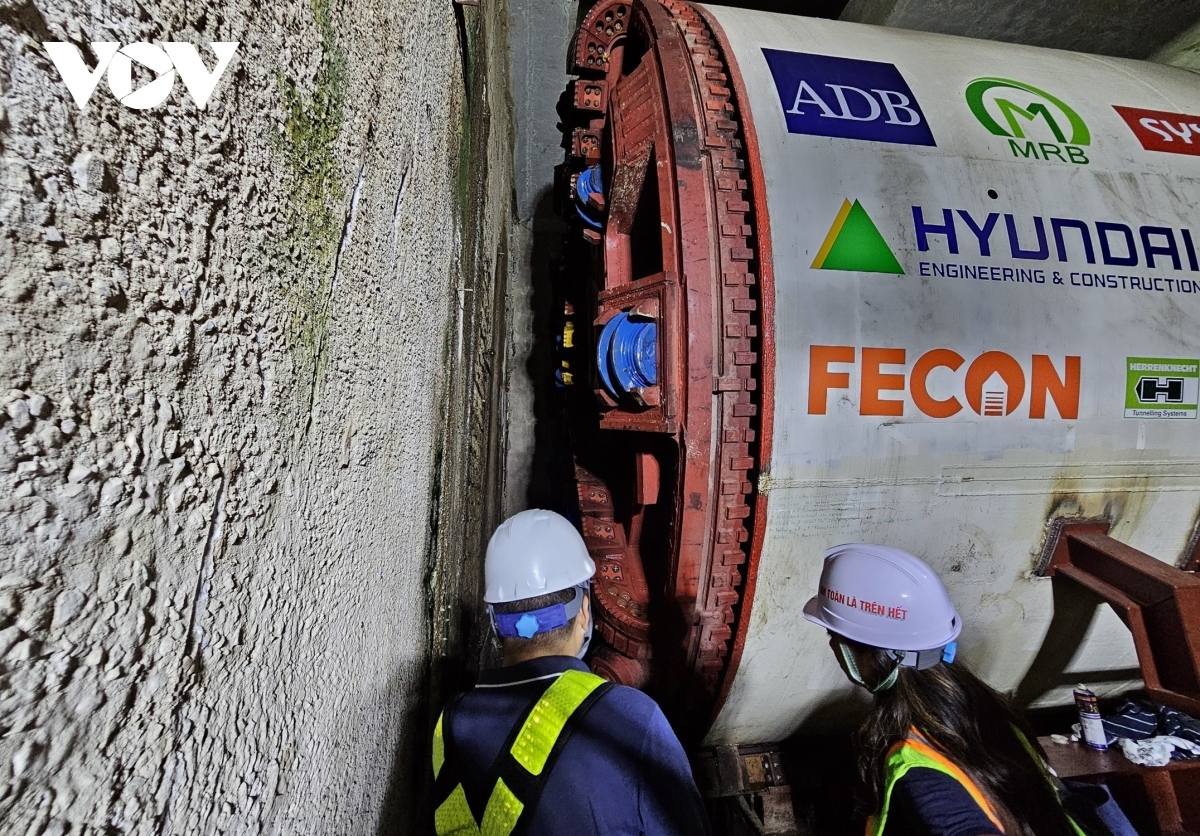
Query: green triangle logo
point(853, 243)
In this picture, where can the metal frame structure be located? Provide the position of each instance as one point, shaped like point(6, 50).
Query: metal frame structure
point(1160, 604)
point(677, 149)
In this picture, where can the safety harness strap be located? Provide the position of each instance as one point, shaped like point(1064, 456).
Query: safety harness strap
point(524, 763)
point(454, 817)
point(1050, 776)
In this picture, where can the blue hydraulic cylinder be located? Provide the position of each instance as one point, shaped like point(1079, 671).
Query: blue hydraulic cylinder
point(627, 355)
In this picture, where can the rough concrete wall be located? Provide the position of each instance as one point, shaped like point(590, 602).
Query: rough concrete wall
point(224, 337)
point(471, 477)
point(1183, 51)
point(1124, 28)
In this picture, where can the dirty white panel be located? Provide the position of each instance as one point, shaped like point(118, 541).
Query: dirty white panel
point(986, 306)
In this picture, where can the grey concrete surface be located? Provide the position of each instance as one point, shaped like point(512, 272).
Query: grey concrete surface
point(541, 33)
point(1183, 51)
point(228, 422)
point(1122, 28)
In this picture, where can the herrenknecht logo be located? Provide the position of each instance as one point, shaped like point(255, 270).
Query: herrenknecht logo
point(116, 62)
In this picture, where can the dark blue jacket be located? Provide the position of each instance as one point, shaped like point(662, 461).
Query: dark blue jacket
point(622, 772)
point(926, 802)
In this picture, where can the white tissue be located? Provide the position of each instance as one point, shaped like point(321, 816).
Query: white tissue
point(1155, 751)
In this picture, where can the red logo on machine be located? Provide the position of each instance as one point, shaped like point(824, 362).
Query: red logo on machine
point(855, 603)
point(1161, 130)
point(994, 384)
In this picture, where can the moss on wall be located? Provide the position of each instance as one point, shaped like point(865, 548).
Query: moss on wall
point(212, 617)
point(317, 195)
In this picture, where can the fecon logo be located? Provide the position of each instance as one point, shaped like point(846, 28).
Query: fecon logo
point(845, 97)
point(854, 243)
point(1030, 118)
point(166, 60)
point(941, 383)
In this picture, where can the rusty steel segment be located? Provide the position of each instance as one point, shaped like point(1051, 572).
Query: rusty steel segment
point(649, 477)
point(620, 594)
point(1158, 602)
point(726, 255)
point(604, 26)
point(1191, 553)
point(747, 559)
point(674, 116)
point(731, 770)
point(616, 667)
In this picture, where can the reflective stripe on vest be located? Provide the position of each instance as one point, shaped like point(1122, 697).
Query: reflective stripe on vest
point(914, 752)
point(531, 749)
point(1045, 768)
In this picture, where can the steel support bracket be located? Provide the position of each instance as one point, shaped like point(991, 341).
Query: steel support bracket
point(1159, 603)
point(730, 770)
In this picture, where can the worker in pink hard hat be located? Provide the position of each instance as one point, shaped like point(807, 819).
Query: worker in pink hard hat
point(940, 752)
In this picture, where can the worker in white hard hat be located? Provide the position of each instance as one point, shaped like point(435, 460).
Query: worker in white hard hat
point(940, 752)
point(541, 746)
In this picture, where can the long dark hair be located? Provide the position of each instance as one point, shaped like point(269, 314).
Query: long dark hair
point(974, 726)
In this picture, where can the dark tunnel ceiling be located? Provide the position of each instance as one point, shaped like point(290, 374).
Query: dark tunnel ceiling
point(808, 8)
point(1079, 25)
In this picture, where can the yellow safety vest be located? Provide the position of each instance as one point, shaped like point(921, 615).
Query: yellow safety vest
point(531, 749)
point(916, 751)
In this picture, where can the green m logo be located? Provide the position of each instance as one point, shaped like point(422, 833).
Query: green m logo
point(1015, 106)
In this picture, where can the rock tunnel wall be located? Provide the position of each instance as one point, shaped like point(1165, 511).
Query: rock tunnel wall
point(227, 419)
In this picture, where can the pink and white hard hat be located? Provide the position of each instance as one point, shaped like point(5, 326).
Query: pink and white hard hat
point(883, 597)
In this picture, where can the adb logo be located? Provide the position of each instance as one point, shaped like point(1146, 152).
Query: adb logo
point(845, 97)
point(1036, 124)
point(115, 61)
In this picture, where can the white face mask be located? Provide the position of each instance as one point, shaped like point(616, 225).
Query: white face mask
point(587, 636)
point(557, 615)
point(852, 668)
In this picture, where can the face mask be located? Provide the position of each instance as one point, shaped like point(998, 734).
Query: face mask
point(528, 624)
point(852, 668)
point(587, 636)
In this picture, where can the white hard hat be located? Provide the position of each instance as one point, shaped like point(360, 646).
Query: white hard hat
point(885, 598)
point(534, 553)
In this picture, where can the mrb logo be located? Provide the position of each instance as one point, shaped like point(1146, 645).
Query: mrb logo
point(822, 95)
point(1037, 125)
point(116, 62)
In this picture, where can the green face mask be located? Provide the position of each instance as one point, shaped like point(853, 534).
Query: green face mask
point(852, 667)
